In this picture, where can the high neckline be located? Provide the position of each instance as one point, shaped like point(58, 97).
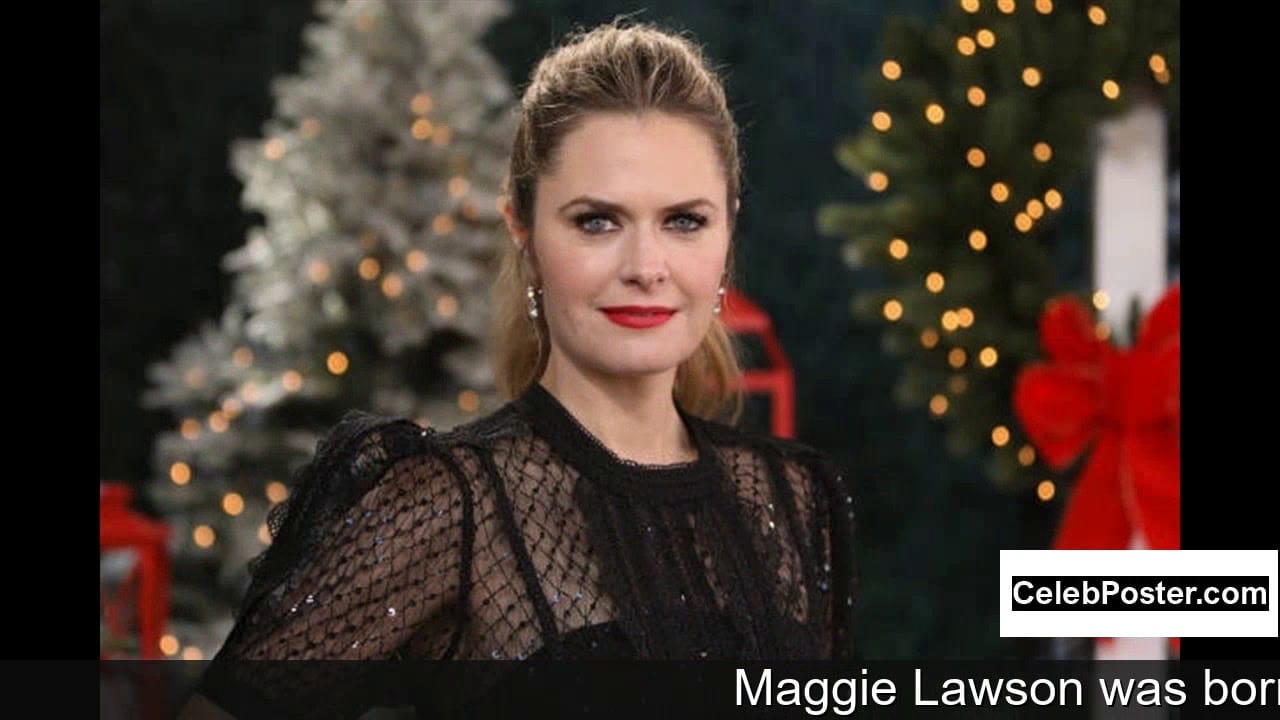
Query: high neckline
point(579, 447)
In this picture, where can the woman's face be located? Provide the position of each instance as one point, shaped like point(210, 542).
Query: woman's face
point(631, 237)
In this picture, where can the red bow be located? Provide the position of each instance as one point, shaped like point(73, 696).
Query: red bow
point(1125, 403)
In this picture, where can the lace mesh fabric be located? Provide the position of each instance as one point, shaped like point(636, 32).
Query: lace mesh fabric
point(520, 535)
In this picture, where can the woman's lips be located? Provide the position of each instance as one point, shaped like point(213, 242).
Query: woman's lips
point(638, 317)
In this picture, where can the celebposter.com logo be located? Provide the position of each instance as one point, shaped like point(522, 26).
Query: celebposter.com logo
point(1138, 593)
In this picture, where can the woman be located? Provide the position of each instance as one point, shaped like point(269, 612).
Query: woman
point(602, 512)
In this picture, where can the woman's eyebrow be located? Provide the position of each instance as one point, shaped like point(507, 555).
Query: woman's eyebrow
point(620, 210)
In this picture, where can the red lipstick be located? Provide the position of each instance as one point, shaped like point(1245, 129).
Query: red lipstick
point(639, 316)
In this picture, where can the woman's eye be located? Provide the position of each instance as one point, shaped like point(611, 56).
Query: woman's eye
point(594, 222)
point(687, 222)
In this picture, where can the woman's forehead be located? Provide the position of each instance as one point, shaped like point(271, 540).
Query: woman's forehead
point(655, 157)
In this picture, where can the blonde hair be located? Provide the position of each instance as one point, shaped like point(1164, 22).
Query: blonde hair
point(612, 68)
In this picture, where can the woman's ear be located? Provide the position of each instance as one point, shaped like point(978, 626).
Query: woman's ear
point(519, 233)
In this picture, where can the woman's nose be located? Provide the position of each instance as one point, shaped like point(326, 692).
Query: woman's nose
point(645, 261)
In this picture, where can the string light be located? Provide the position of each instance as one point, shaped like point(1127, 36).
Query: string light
point(965, 45)
point(1101, 300)
point(898, 248)
point(1097, 15)
point(421, 104)
point(392, 285)
point(999, 192)
point(1102, 330)
point(878, 181)
point(169, 645)
point(1053, 199)
point(458, 186)
point(891, 69)
point(232, 504)
point(422, 129)
point(469, 210)
point(1022, 221)
point(442, 224)
point(881, 121)
point(969, 6)
point(1006, 6)
point(231, 407)
point(956, 357)
point(277, 492)
point(318, 271)
point(938, 405)
point(977, 240)
point(273, 149)
point(957, 384)
point(416, 261)
point(1042, 152)
point(292, 380)
point(1111, 89)
point(447, 306)
point(976, 157)
point(218, 421)
point(988, 356)
point(986, 38)
point(468, 401)
point(1045, 490)
point(1000, 436)
point(1163, 77)
point(892, 310)
point(1044, 7)
point(204, 536)
point(935, 114)
point(180, 473)
point(195, 377)
point(369, 268)
point(964, 317)
point(1026, 455)
point(191, 652)
point(1035, 209)
point(264, 534)
point(190, 428)
point(950, 321)
point(977, 96)
point(310, 127)
point(368, 240)
point(1157, 63)
point(1031, 76)
point(249, 392)
point(929, 338)
point(441, 136)
point(242, 357)
point(337, 362)
point(935, 282)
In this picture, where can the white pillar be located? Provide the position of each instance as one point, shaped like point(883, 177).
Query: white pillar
point(1130, 235)
point(1130, 213)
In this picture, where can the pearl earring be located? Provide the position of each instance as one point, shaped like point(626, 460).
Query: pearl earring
point(719, 297)
point(532, 294)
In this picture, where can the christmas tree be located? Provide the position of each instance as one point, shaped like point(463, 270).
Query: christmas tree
point(983, 125)
point(378, 179)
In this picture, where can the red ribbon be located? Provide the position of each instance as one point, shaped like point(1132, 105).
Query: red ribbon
point(1124, 406)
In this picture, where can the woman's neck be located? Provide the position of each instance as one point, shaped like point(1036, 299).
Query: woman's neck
point(635, 417)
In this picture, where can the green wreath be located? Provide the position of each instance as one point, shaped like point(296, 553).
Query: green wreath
point(979, 126)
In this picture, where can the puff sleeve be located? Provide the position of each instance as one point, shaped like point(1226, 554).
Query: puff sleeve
point(366, 564)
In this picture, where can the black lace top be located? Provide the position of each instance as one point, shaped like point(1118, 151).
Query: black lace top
point(520, 535)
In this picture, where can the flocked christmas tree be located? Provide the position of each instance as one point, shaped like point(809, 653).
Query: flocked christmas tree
point(982, 123)
point(365, 288)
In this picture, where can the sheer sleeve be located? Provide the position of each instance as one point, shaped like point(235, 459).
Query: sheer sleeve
point(819, 488)
point(366, 564)
point(841, 549)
